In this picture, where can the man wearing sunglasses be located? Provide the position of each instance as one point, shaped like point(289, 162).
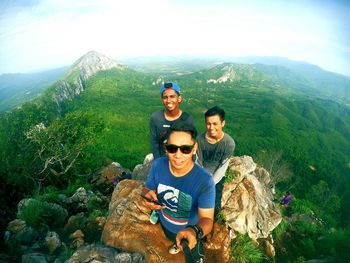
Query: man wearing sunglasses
point(185, 193)
point(215, 148)
point(162, 121)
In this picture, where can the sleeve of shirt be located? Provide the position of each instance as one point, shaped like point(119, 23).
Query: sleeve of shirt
point(221, 170)
point(199, 153)
point(199, 157)
point(154, 139)
point(207, 194)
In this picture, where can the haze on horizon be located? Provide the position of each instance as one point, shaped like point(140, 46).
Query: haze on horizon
point(42, 34)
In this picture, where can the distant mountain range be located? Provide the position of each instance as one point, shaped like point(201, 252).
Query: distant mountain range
point(307, 77)
point(18, 88)
point(310, 79)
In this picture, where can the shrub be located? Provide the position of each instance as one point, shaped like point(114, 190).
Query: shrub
point(32, 213)
point(243, 250)
point(220, 218)
point(230, 176)
point(280, 229)
point(40, 214)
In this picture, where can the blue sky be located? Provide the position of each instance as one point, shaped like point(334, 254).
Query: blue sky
point(36, 35)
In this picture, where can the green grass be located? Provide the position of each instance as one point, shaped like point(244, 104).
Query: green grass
point(243, 250)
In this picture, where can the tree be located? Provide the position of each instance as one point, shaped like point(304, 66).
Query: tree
point(55, 149)
point(274, 163)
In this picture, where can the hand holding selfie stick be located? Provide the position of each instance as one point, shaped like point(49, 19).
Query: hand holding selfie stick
point(187, 251)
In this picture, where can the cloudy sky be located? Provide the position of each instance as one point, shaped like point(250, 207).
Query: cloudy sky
point(42, 34)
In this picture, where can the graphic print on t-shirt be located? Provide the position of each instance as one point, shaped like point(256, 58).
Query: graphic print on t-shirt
point(178, 204)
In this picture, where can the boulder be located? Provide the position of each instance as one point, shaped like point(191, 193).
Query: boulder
point(104, 179)
point(77, 239)
point(129, 229)
point(102, 254)
point(52, 241)
point(247, 202)
point(141, 170)
point(18, 234)
point(75, 222)
point(34, 258)
point(81, 199)
point(80, 196)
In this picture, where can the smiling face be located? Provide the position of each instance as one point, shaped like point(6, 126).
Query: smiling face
point(171, 100)
point(181, 163)
point(214, 126)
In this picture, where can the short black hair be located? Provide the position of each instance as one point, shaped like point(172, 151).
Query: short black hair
point(215, 111)
point(184, 127)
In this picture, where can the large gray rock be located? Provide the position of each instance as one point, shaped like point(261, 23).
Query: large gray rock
point(79, 201)
point(247, 202)
point(141, 170)
point(18, 233)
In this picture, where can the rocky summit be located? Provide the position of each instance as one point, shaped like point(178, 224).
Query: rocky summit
point(86, 66)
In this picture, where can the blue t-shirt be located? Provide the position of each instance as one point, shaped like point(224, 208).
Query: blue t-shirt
point(181, 195)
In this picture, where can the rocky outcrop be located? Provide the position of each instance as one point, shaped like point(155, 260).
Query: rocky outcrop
point(81, 199)
point(247, 208)
point(247, 200)
point(246, 205)
point(47, 230)
point(129, 229)
point(228, 72)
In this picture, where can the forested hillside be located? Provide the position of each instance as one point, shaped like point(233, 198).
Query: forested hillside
point(302, 138)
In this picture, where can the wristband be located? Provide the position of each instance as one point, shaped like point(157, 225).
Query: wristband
point(198, 230)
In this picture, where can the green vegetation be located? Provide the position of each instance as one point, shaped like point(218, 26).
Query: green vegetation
point(243, 250)
point(220, 218)
point(39, 214)
point(302, 140)
point(230, 176)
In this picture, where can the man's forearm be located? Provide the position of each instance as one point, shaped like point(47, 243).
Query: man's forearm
point(206, 224)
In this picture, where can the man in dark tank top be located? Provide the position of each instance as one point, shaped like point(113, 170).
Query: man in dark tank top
point(162, 121)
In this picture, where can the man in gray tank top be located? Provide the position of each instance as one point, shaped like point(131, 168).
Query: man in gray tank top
point(215, 148)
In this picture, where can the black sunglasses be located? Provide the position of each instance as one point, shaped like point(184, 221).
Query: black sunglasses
point(172, 148)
